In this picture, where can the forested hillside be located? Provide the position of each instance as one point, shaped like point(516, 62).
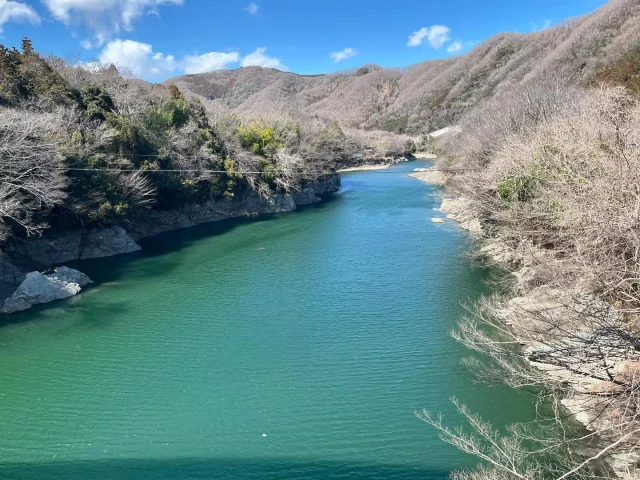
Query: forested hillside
point(433, 94)
point(92, 148)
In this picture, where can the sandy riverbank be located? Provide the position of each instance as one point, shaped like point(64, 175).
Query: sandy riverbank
point(365, 167)
point(425, 156)
point(430, 176)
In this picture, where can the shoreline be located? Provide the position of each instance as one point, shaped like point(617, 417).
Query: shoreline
point(518, 264)
point(55, 248)
point(363, 168)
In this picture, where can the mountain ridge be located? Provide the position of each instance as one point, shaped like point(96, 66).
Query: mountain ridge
point(432, 94)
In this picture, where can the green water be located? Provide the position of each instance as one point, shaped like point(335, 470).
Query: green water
point(323, 330)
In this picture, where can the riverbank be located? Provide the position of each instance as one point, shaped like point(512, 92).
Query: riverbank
point(558, 331)
point(57, 247)
point(364, 168)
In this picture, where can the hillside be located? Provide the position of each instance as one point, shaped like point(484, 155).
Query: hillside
point(432, 94)
point(546, 176)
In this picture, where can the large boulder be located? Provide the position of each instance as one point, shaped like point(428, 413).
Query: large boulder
point(40, 288)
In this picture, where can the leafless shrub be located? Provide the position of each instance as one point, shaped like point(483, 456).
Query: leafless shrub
point(563, 178)
point(136, 189)
point(30, 178)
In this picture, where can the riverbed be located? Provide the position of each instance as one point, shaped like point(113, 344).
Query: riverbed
point(296, 346)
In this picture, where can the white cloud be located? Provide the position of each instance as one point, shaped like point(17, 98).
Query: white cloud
point(455, 47)
point(17, 12)
point(138, 58)
point(458, 46)
point(106, 18)
point(343, 55)
point(252, 9)
point(437, 35)
point(208, 62)
point(538, 27)
point(259, 59)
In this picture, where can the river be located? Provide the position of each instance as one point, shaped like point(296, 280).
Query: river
point(297, 346)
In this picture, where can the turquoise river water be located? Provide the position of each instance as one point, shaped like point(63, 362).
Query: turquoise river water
point(292, 347)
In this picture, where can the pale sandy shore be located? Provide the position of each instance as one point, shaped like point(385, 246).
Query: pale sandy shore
point(430, 176)
point(425, 156)
point(365, 167)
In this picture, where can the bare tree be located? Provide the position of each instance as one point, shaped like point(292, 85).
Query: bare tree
point(31, 178)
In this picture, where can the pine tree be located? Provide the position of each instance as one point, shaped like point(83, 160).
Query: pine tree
point(27, 46)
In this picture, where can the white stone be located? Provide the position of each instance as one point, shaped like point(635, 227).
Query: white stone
point(38, 288)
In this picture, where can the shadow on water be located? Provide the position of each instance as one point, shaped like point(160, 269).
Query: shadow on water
point(113, 269)
point(177, 240)
point(218, 469)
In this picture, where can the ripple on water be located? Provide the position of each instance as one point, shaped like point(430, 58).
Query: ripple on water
point(325, 330)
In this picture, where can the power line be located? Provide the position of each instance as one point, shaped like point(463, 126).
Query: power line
point(204, 171)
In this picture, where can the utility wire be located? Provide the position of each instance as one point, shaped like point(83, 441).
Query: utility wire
point(300, 170)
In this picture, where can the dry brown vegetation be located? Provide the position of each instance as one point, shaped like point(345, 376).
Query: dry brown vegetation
point(557, 192)
point(433, 94)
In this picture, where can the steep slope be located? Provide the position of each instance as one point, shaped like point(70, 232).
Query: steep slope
point(432, 94)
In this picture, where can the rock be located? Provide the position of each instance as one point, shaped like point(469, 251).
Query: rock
point(9, 273)
point(431, 176)
point(625, 464)
point(473, 226)
point(38, 288)
point(523, 277)
point(107, 242)
point(327, 184)
point(305, 196)
point(627, 371)
point(59, 247)
point(42, 252)
point(69, 275)
point(62, 246)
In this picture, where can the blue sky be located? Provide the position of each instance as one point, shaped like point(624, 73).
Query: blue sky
point(157, 39)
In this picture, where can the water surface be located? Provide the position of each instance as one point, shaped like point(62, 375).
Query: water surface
point(297, 346)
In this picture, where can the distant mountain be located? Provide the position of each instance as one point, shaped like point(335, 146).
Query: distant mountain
point(432, 94)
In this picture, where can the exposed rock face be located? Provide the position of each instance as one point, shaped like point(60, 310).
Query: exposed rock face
point(67, 246)
point(107, 242)
point(306, 196)
point(154, 222)
point(327, 184)
point(38, 288)
point(9, 273)
point(42, 252)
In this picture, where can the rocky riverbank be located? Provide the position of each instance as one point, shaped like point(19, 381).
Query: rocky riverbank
point(19, 257)
point(532, 308)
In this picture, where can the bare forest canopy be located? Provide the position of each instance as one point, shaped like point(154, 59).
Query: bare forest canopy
point(434, 94)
